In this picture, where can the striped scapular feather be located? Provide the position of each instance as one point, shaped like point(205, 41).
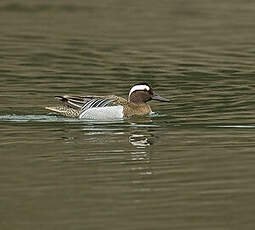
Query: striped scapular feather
point(95, 103)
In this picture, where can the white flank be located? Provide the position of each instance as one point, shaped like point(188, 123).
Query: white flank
point(138, 87)
point(103, 113)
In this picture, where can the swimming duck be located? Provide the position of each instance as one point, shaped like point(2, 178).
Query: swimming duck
point(108, 107)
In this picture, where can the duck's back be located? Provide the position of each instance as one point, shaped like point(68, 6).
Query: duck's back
point(90, 107)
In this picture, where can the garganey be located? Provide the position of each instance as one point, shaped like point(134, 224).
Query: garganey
point(108, 107)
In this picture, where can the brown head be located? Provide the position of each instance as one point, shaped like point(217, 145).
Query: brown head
point(141, 93)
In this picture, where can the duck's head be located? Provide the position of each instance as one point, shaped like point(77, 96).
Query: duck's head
point(141, 93)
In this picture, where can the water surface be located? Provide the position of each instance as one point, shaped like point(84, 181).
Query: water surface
point(189, 166)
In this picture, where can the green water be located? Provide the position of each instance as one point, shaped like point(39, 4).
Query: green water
point(188, 166)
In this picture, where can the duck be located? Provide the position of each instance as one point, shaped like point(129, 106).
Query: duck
point(108, 107)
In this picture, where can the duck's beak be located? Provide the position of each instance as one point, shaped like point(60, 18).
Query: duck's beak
point(156, 97)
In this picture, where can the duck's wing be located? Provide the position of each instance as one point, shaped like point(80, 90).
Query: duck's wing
point(75, 102)
point(87, 102)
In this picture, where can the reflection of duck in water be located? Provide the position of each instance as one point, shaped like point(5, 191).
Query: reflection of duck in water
point(109, 107)
point(141, 139)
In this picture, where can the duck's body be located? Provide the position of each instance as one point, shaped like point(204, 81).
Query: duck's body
point(108, 107)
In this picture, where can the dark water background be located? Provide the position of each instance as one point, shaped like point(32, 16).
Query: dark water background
point(190, 166)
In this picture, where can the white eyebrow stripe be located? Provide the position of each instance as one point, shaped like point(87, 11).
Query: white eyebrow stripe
point(139, 87)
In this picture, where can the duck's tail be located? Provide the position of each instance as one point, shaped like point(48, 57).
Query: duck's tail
point(64, 110)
